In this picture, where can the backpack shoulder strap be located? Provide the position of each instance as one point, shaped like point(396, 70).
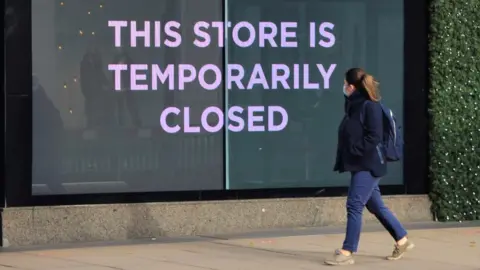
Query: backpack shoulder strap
point(386, 110)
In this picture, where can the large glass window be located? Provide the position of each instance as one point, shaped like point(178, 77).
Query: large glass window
point(363, 33)
point(95, 131)
point(162, 95)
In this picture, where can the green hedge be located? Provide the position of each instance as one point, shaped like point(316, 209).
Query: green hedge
point(455, 109)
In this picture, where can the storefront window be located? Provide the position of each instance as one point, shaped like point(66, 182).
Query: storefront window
point(363, 33)
point(96, 132)
point(157, 95)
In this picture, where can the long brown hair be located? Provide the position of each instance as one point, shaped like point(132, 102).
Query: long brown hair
point(363, 82)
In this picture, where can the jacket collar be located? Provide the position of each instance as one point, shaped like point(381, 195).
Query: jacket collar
point(356, 96)
point(355, 99)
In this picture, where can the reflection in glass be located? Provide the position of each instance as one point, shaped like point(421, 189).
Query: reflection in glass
point(90, 138)
point(367, 34)
point(93, 134)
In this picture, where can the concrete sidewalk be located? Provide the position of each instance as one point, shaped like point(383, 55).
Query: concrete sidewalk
point(439, 249)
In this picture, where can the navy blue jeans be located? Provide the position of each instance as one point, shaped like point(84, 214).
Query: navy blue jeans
point(364, 191)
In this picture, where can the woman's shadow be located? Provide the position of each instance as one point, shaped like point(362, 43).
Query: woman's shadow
point(321, 256)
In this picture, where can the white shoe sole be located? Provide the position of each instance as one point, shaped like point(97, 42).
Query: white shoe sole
point(334, 263)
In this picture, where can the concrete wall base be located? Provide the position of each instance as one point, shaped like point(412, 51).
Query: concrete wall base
point(28, 226)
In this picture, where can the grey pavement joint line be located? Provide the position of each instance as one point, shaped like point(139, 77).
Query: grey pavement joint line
point(178, 263)
point(72, 260)
point(8, 266)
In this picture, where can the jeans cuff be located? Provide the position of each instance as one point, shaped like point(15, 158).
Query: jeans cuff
point(401, 236)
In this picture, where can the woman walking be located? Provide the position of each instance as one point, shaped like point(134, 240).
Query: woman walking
point(359, 152)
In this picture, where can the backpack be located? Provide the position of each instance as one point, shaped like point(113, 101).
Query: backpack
point(392, 134)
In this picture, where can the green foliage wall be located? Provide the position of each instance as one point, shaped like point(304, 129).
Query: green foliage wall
point(455, 109)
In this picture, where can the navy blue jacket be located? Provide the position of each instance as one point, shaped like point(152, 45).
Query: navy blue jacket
point(359, 145)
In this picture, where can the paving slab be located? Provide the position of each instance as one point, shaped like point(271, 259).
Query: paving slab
point(439, 249)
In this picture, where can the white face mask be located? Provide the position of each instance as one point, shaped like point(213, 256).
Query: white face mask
point(345, 91)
